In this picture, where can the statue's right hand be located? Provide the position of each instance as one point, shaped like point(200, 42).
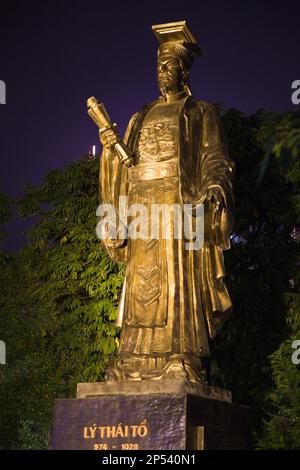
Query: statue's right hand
point(109, 137)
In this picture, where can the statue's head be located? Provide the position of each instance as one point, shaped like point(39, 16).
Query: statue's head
point(173, 65)
point(176, 54)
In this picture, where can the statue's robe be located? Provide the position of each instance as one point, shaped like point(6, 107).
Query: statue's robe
point(190, 301)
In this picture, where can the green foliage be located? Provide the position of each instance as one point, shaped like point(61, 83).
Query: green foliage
point(58, 304)
point(279, 136)
point(282, 423)
point(252, 354)
point(4, 208)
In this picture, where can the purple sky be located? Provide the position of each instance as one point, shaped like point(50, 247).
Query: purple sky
point(55, 54)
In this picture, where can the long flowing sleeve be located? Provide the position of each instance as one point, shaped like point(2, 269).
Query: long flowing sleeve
point(217, 170)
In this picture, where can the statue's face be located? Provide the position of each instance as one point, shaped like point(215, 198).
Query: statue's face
point(169, 74)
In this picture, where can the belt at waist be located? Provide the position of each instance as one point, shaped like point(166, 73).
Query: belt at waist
point(153, 171)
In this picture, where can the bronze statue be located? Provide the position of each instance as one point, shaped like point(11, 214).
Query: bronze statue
point(174, 299)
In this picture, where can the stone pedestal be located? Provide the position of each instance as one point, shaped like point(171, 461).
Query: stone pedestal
point(149, 415)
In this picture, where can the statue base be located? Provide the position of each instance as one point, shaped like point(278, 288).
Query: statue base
point(149, 415)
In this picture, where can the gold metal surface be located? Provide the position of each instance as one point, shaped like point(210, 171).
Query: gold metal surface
point(173, 32)
point(175, 298)
point(153, 171)
point(99, 115)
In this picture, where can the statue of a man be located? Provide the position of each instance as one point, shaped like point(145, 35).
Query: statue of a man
point(175, 298)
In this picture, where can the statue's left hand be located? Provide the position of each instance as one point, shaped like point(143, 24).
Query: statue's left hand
point(215, 196)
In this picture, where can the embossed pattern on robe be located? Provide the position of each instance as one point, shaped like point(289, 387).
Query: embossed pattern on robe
point(163, 307)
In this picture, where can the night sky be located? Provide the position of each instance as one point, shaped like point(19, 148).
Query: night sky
point(54, 55)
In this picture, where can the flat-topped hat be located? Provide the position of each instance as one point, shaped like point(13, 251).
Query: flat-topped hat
point(176, 39)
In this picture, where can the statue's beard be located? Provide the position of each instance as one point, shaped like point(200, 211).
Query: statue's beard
point(166, 88)
point(163, 89)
